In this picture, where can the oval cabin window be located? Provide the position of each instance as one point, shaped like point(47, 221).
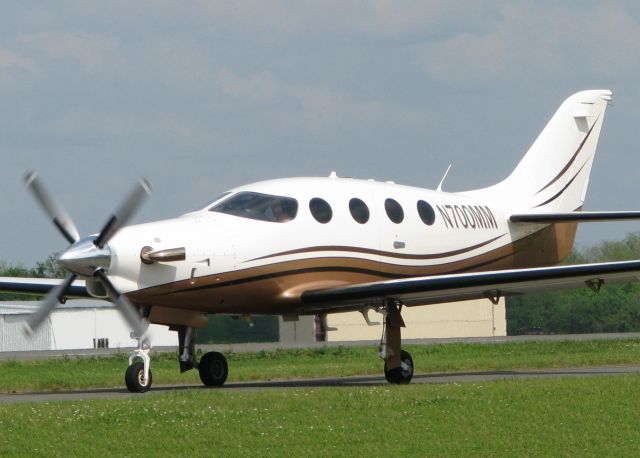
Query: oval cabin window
point(394, 210)
point(427, 215)
point(359, 210)
point(321, 210)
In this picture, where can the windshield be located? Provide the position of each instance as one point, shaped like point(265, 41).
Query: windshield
point(211, 202)
point(262, 207)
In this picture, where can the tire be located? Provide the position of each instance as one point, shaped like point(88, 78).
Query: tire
point(134, 378)
point(213, 369)
point(403, 374)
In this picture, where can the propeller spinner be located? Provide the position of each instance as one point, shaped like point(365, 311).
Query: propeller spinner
point(88, 257)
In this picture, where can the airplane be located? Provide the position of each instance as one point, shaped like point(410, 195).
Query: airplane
point(314, 246)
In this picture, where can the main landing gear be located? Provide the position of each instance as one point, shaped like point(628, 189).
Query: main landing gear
point(212, 367)
point(398, 364)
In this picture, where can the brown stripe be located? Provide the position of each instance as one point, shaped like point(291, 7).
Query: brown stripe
point(387, 254)
point(573, 158)
point(563, 189)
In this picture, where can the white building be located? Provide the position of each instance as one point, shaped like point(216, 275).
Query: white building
point(78, 324)
point(84, 324)
point(474, 318)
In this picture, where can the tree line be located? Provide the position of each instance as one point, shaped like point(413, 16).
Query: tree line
point(616, 308)
point(49, 268)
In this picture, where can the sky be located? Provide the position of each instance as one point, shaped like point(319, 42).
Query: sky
point(203, 96)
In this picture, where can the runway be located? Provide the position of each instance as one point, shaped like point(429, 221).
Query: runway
point(354, 381)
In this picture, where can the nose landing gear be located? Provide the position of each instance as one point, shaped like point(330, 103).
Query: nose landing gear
point(138, 375)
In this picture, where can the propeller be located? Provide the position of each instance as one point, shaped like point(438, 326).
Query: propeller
point(88, 257)
point(52, 207)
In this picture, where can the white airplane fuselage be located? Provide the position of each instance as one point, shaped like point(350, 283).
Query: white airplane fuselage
point(235, 264)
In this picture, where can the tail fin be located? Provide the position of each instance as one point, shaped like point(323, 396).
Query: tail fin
point(554, 174)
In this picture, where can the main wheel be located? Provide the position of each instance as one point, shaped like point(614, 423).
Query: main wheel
point(213, 369)
point(403, 374)
point(135, 380)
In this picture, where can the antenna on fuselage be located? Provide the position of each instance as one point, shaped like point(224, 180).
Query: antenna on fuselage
point(439, 188)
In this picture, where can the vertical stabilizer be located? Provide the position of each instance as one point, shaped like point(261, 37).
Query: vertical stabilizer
point(554, 173)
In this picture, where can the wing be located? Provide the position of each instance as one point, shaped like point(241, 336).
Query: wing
point(456, 287)
point(40, 286)
point(574, 217)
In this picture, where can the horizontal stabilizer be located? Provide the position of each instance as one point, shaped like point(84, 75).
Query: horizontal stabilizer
point(574, 217)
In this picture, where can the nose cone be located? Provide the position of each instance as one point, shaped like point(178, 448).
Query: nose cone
point(84, 258)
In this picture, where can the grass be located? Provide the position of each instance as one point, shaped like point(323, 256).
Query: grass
point(595, 416)
point(81, 373)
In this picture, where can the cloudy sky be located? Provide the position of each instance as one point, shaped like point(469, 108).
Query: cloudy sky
point(202, 96)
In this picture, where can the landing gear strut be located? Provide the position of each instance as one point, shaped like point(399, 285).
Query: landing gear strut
point(398, 364)
point(138, 375)
point(213, 367)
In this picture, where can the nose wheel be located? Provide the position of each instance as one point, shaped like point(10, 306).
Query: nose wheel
point(136, 380)
point(138, 376)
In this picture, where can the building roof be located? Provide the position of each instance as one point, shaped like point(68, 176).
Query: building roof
point(26, 307)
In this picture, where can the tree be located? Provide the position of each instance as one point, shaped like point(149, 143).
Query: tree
point(48, 268)
point(616, 308)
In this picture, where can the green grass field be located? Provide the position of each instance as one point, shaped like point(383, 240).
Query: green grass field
point(591, 416)
point(82, 373)
point(595, 416)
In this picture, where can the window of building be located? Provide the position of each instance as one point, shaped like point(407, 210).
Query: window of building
point(321, 210)
point(427, 215)
point(359, 210)
point(394, 210)
point(262, 207)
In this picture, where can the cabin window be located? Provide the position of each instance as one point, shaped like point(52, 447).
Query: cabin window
point(359, 210)
point(262, 207)
point(321, 210)
point(426, 212)
point(394, 210)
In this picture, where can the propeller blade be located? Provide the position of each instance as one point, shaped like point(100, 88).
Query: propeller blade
point(52, 207)
point(125, 306)
point(48, 304)
point(122, 214)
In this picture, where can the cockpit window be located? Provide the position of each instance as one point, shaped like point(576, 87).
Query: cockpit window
point(262, 207)
point(211, 202)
